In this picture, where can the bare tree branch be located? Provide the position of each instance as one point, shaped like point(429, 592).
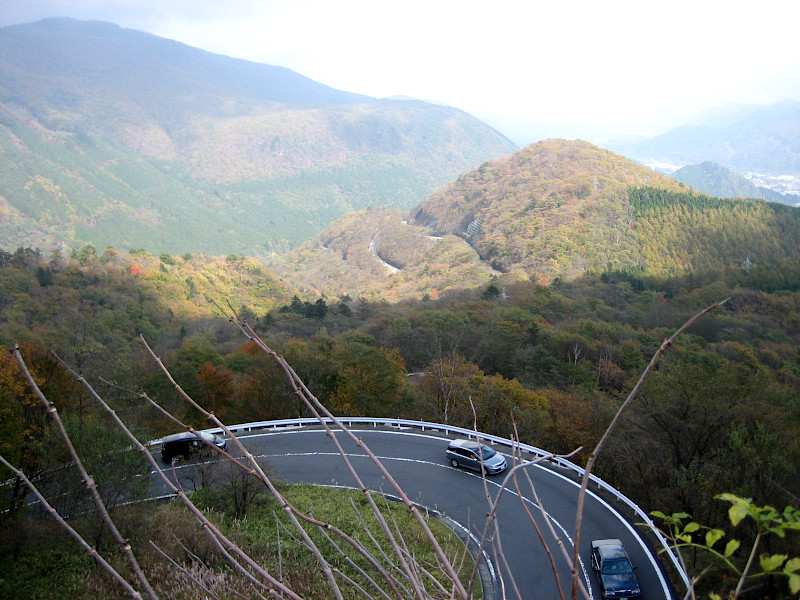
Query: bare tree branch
point(197, 513)
point(313, 405)
point(545, 545)
point(496, 538)
point(123, 544)
point(74, 534)
point(548, 522)
point(292, 511)
point(258, 474)
point(326, 567)
point(493, 509)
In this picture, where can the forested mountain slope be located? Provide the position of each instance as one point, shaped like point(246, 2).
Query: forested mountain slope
point(96, 304)
point(557, 209)
point(554, 208)
point(120, 138)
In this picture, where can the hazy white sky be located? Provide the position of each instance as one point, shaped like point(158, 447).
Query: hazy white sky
point(623, 65)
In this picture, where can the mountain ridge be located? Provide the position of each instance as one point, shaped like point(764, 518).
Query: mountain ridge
point(537, 190)
point(714, 179)
point(758, 138)
point(556, 210)
point(115, 137)
point(98, 48)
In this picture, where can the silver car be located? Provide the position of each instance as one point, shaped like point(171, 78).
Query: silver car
point(466, 453)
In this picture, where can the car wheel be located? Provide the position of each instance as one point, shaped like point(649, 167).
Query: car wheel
point(454, 462)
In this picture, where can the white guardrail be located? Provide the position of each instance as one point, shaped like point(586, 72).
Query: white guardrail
point(492, 439)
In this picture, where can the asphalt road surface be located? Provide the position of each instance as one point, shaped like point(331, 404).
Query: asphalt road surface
point(417, 462)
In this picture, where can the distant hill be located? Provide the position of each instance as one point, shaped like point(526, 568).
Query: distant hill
point(556, 209)
point(117, 137)
point(716, 180)
point(763, 139)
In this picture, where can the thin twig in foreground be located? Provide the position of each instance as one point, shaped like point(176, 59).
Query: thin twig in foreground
point(593, 456)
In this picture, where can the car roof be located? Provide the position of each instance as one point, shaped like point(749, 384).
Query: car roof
point(469, 444)
point(609, 549)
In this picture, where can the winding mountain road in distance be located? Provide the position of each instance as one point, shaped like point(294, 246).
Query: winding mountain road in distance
point(417, 462)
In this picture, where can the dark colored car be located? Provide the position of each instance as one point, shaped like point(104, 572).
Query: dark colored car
point(466, 453)
point(186, 445)
point(614, 568)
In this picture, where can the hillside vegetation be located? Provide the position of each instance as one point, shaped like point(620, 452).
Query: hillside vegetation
point(554, 210)
point(374, 253)
point(548, 363)
point(551, 361)
point(200, 152)
point(92, 305)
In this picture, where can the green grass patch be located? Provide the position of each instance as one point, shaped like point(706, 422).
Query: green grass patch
point(271, 536)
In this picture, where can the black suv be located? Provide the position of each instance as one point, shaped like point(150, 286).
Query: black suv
point(186, 445)
point(614, 568)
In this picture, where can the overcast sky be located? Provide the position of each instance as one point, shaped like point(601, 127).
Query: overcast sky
point(622, 65)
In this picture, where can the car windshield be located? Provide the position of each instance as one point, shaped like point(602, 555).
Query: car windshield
point(616, 566)
point(487, 452)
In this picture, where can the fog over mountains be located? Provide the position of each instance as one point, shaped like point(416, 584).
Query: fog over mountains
point(748, 139)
